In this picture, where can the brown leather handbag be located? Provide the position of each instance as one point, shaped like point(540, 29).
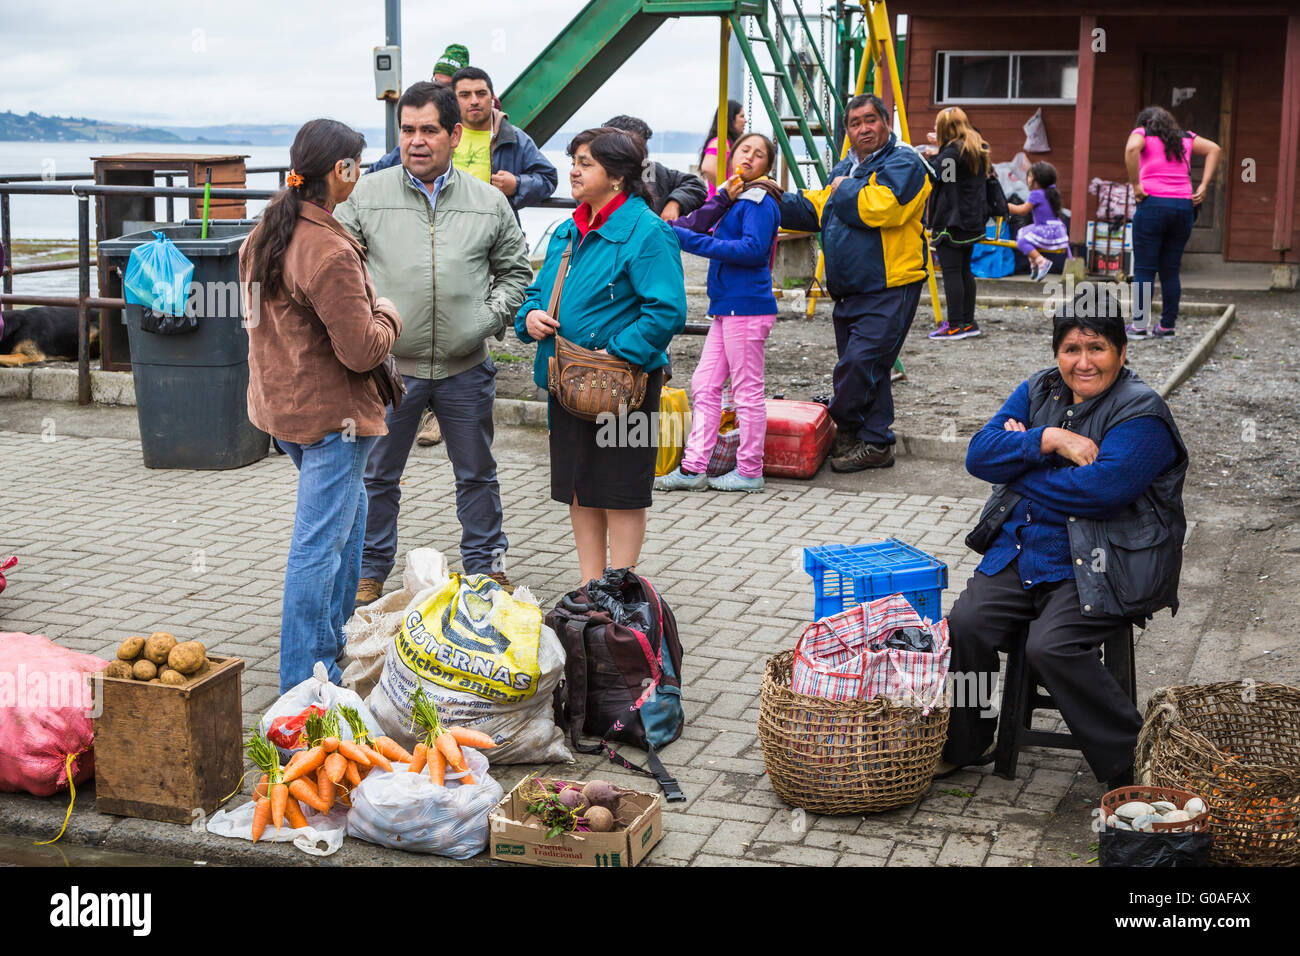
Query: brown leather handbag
point(586, 383)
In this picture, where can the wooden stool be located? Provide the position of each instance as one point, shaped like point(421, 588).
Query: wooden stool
point(1020, 698)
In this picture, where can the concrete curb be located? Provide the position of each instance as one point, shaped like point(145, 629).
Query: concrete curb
point(1204, 348)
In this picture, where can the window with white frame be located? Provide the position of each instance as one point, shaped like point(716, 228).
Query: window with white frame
point(1004, 76)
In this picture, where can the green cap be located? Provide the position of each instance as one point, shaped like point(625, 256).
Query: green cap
point(455, 57)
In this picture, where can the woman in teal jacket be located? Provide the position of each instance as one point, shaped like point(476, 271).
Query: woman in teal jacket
point(623, 294)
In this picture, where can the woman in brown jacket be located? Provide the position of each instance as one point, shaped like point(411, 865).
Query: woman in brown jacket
point(315, 330)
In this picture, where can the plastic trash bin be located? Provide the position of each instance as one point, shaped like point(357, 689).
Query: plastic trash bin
point(191, 389)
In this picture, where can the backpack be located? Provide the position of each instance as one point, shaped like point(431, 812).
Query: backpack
point(622, 671)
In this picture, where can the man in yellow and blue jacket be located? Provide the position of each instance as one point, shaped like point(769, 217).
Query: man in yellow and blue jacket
point(870, 217)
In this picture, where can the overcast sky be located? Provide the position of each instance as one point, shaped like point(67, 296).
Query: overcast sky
point(183, 63)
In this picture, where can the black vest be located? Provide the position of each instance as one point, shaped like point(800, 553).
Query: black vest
point(1126, 565)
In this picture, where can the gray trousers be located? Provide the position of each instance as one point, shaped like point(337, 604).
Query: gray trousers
point(463, 404)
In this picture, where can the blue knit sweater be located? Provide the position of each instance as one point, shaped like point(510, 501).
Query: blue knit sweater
point(1129, 457)
point(740, 274)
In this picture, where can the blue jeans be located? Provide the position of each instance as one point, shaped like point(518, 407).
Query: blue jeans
point(320, 579)
point(869, 334)
point(463, 404)
point(1161, 227)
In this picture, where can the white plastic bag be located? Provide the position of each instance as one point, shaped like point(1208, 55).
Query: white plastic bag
point(373, 627)
point(317, 690)
point(322, 828)
point(1036, 134)
point(1013, 176)
point(521, 721)
point(408, 811)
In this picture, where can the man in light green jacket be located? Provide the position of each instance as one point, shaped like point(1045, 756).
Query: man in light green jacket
point(446, 249)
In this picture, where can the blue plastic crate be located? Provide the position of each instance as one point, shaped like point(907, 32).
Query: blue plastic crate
point(847, 575)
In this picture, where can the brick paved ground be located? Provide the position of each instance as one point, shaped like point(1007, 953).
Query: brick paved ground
point(110, 548)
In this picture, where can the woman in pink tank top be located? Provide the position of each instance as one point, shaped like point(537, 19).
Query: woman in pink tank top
point(1158, 156)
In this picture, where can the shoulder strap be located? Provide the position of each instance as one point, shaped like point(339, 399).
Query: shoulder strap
point(553, 310)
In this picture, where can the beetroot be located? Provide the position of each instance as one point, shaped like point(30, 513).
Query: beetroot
point(600, 820)
point(601, 793)
point(571, 798)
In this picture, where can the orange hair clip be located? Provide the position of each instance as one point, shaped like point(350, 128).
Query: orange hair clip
point(294, 180)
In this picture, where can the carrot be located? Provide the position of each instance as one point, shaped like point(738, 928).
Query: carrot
point(331, 744)
point(437, 766)
point(325, 788)
point(261, 814)
point(335, 766)
point(279, 799)
point(446, 743)
point(301, 790)
point(391, 749)
point(354, 753)
point(378, 760)
point(472, 738)
point(301, 766)
point(345, 798)
point(260, 791)
point(293, 813)
point(353, 775)
point(419, 757)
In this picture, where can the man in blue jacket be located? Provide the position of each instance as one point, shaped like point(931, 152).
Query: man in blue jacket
point(870, 219)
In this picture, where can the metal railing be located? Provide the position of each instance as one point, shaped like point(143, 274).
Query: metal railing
point(83, 301)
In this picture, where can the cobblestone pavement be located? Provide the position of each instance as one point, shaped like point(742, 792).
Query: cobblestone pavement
point(109, 548)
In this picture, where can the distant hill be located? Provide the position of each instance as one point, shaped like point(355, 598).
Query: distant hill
point(68, 129)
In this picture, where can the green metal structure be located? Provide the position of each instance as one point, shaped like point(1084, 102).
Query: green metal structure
point(600, 39)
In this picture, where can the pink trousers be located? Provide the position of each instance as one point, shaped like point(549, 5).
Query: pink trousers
point(733, 348)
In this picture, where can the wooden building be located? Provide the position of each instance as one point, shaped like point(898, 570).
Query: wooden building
point(1228, 71)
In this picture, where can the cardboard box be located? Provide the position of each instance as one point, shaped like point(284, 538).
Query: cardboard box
point(162, 751)
point(516, 843)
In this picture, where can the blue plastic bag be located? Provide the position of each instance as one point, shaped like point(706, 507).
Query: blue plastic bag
point(158, 276)
point(993, 262)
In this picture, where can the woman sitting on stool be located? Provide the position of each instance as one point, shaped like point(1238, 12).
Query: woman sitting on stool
point(1082, 536)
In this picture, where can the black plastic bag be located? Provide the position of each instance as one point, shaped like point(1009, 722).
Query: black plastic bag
point(908, 639)
point(610, 594)
point(1132, 848)
point(163, 323)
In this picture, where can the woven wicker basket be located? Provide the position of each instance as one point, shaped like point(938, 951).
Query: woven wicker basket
point(829, 756)
point(1237, 744)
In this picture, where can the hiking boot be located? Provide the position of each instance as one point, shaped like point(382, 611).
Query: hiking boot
point(734, 481)
point(677, 480)
point(843, 442)
point(500, 578)
point(862, 456)
point(430, 432)
point(368, 591)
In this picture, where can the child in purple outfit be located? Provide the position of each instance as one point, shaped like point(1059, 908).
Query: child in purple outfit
point(1047, 231)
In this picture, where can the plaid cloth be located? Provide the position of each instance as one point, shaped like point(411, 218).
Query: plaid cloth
point(843, 657)
point(723, 458)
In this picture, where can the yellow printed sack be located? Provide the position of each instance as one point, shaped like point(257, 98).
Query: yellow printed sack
point(674, 426)
point(487, 661)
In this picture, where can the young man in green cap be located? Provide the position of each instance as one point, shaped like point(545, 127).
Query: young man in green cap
point(455, 57)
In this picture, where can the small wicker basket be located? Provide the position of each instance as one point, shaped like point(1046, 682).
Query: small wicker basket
point(829, 756)
point(1179, 798)
point(1237, 743)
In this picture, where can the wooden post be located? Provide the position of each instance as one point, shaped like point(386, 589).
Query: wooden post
point(1284, 218)
point(1082, 131)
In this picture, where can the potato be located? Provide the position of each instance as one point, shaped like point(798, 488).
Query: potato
point(154, 681)
point(121, 669)
point(130, 649)
point(144, 670)
point(203, 668)
point(159, 646)
point(174, 678)
point(186, 657)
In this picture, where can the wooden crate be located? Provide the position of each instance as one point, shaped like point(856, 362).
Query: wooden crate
point(161, 752)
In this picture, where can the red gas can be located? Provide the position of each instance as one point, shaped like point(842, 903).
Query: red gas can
point(799, 435)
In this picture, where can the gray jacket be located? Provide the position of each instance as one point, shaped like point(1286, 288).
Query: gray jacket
point(456, 278)
point(1142, 546)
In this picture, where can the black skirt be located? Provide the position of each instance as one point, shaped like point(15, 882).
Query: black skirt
point(609, 464)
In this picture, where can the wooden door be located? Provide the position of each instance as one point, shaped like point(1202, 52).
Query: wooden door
point(1191, 87)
